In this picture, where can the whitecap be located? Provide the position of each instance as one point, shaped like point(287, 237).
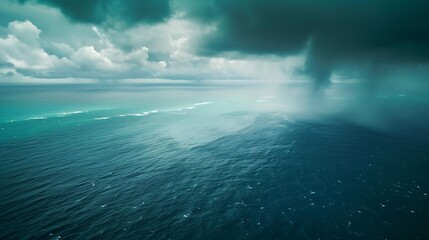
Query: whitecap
point(203, 103)
point(64, 114)
point(138, 114)
point(143, 114)
point(102, 118)
point(173, 110)
point(37, 118)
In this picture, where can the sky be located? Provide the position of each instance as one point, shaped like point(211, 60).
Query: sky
point(323, 41)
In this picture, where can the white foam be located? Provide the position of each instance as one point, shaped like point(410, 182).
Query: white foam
point(193, 106)
point(138, 114)
point(174, 110)
point(102, 118)
point(203, 103)
point(37, 118)
point(135, 114)
point(143, 114)
point(63, 114)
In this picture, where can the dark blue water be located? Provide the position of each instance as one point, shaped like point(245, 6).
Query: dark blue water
point(160, 176)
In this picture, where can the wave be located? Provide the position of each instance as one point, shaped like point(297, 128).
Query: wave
point(102, 118)
point(135, 114)
point(64, 114)
point(203, 103)
point(36, 118)
point(142, 114)
point(56, 115)
point(147, 113)
point(189, 107)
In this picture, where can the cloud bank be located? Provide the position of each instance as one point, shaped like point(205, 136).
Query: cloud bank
point(22, 50)
point(191, 39)
point(369, 34)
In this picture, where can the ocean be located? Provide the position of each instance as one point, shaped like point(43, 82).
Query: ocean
point(190, 163)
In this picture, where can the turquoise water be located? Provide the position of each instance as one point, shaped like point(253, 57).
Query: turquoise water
point(161, 163)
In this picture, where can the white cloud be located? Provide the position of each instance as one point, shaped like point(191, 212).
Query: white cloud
point(90, 59)
point(166, 50)
point(113, 59)
point(22, 50)
point(25, 31)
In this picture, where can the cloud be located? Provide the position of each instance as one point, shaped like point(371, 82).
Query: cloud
point(112, 58)
point(165, 50)
point(374, 35)
point(25, 31)
point(127, 12)
point(368, 37)
point(22, 50)
point(90, 59)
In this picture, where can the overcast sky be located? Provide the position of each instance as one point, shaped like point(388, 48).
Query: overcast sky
point(185, 40)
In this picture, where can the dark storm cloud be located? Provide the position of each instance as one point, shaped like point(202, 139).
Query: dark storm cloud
point(371, 33)
point(100, 11)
